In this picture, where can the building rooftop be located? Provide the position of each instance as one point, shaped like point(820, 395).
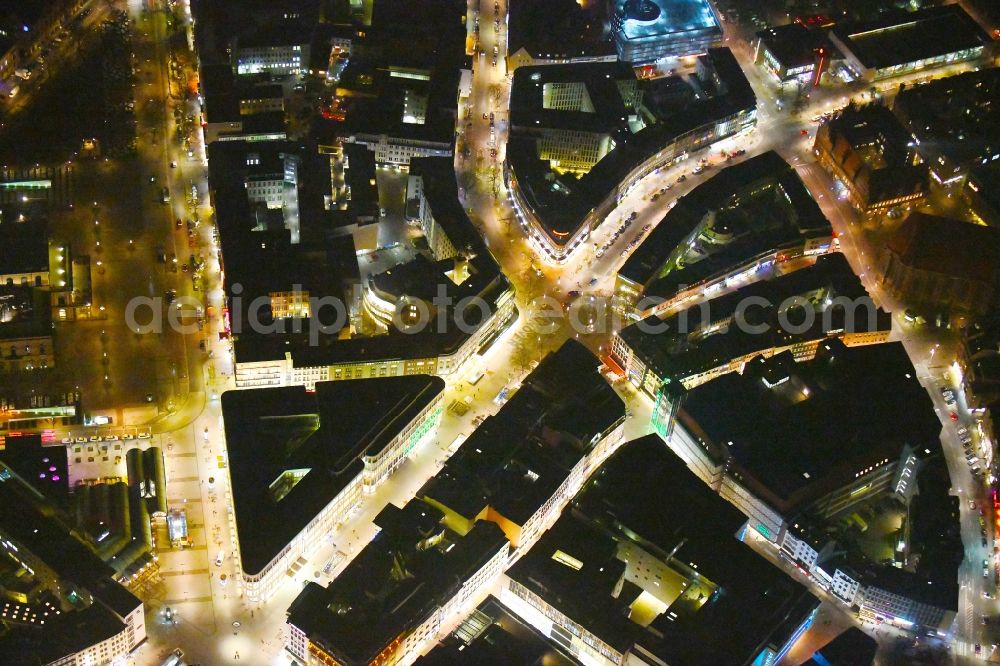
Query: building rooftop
point(799, 431)
point(562, 208)
point(402, 76)
point(764, 204)
point(948, 247)
point(693, 593)
point(603, 107)
point(322, 266)
point(935, 543)
point(275, 435)
point(289, 32)
point(411, 567)
point(495, 635)
point(650, 19)
point(440, 188)
point(547, 425)
point(853, 647)
point(693, 342)
point(518, 457)
point(793, 45)
point(25, 312)
point(24, 247)
point(986, 181)
point(904, 37)
point(881, 144)
point(26, 519)
point(556, 29)
point(956, 117)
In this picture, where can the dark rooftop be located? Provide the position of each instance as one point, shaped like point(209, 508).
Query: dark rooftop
point(517, 458)
point(723, 601)
point(948, 247)
point(561, 211)
point(26, 519)
point(794, 216)
point(793, 45)
point(505, 640)
point(558, 29)
point(24, 247)
point(806, 432)
point(409, 59)
point(412, 566)
point(606, 113)
point(883, 145)
point(905, 37)
point(273, 431)
point(246, 247)
point(956, 117)
point(688, 343)
point(986, 180)
point(851, 648)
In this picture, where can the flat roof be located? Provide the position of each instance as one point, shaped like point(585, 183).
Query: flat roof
point(506, 639)
point(562, 212)
point(24, 247)
point(852, 647)
point(607, 112)
point(29, 521)
point(987, 181)
point(904, 37)
point(556, 28)
point(28, 311)
point(721, 602)
point(809, 428)
point(650, 19)
point(411, 56)
point(518, 457)
point(394, 583)
point(935, 537)
point(322, 266)
point(735, 189)
point(956, 116)
point(701, 338)
point(792, 45)
point(274, 431)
